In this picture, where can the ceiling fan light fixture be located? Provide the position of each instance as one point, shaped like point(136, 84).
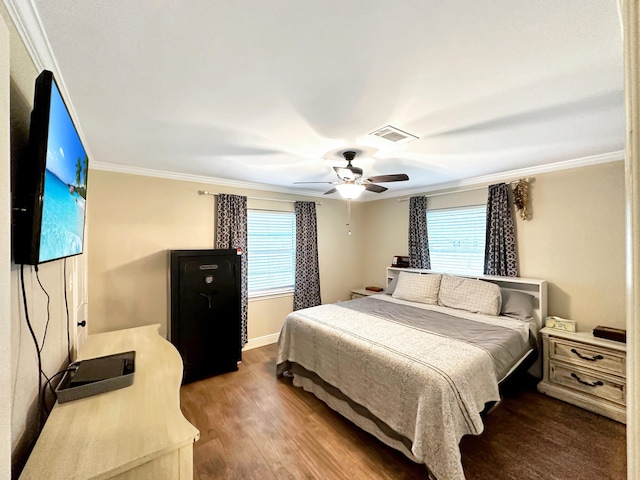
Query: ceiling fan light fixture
point(350, 190)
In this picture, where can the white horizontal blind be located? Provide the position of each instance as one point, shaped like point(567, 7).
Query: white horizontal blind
point(271, 252)
point(456, 239)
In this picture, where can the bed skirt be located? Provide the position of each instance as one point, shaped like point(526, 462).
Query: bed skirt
point(350, 410)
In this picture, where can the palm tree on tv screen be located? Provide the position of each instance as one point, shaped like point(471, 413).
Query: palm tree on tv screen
point(81, 180)
point(78, 172)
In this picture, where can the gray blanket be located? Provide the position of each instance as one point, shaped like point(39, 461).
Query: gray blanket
point(424, 376)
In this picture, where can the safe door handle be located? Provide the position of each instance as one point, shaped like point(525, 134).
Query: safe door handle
point(588, 384)
point(588, 359)
point(208, 297)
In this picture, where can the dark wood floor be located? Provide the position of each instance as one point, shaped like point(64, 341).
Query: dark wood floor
point(254, 426)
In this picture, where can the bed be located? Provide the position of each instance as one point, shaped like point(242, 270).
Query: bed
point(417, 365)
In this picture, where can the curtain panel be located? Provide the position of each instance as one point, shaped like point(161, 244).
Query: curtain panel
point(500, 256)
point(231, 232)
point(307, 276)
point(418, 238)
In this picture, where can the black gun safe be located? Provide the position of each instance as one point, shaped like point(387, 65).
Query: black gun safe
point(205, 310)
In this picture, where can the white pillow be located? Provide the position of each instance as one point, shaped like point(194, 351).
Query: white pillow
point(416, 287)
point(468, 294)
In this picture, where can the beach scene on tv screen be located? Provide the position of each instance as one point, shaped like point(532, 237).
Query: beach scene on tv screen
point(65, 186)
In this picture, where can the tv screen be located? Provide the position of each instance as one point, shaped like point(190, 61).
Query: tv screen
point(53, 180)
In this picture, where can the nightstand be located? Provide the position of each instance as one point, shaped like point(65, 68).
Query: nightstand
point(587, 371)
point(361, 292)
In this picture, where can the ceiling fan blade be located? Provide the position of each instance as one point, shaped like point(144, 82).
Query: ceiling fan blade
point(372, 187)
point(398, 177)
point(348, 173)
point(329, 192)
point(330, 183)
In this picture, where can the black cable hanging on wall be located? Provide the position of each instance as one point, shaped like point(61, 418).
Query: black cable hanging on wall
point(35, 342)
point(43, 409)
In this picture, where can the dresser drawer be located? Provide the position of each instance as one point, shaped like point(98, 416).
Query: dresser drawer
point(591, 382)
point(587, 356)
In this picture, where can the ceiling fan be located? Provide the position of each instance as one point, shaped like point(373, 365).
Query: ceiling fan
point(351, 184)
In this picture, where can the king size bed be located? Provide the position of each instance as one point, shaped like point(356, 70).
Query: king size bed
point(417, 365)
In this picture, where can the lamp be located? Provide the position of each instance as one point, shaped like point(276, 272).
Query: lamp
point(350, 190)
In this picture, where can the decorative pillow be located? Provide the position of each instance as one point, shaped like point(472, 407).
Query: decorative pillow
point(475, 296)
point(392, 285)
point(518, 305)
point(414, 287)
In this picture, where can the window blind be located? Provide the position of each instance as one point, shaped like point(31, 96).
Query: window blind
point(271, 252)
point(456, 239)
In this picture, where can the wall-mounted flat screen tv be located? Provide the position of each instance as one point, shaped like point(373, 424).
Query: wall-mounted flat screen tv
point(51, 187)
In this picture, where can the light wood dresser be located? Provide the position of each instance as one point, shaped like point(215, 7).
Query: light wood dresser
point(586, 371)
point(137, 432)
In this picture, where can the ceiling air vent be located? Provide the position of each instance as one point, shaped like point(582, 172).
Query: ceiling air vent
point(394, 135)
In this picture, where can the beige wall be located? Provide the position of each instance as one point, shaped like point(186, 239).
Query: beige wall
point(134, 220)
point(23, 367)
point(574, 240)
point(5, 258)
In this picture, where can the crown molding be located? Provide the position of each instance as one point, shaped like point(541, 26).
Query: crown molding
point(27, 22)
point(150, 172)
point(453, 186)
point(510, 175)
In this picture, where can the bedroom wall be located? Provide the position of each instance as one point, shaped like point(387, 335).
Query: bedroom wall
point(5, 257)
point(134, 220)
point(23, 367)
point(575, 240)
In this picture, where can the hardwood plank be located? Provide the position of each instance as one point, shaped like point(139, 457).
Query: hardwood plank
point(254, 425)
point(555, 440)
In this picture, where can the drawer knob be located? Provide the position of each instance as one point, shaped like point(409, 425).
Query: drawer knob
point(588, 384)
point(589, 359)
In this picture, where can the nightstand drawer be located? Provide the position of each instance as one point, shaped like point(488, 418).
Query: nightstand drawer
point(587, 356)
point(602, 386)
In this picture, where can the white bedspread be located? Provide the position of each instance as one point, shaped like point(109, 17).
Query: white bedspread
point(426, 387)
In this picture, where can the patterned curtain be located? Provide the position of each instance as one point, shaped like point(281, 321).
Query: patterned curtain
point(418, 239)
point(307, 289)
point(500, 247)
point(231, 232)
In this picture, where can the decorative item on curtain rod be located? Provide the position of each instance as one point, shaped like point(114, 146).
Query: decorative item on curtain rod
point(521, 197)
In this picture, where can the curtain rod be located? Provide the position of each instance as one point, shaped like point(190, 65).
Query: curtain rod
point(470, 189)
point(204, 192)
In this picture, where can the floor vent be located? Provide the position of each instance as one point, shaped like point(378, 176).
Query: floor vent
point(394, 135)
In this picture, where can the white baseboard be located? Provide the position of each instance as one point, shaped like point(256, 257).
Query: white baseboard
point(261, 341)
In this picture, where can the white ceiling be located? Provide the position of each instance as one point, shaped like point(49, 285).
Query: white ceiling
point(271, 92)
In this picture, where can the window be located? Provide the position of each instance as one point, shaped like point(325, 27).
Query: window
point(456, 239)
point(271, 252)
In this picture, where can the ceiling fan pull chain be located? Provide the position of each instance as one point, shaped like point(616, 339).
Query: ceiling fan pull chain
point(349, 216)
